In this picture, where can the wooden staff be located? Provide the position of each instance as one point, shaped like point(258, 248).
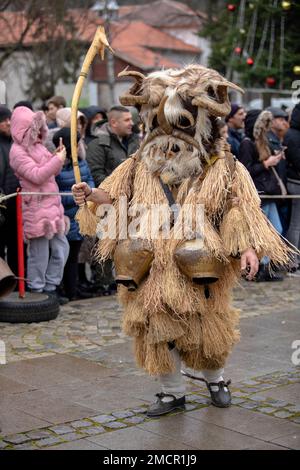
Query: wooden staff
point(99, 44)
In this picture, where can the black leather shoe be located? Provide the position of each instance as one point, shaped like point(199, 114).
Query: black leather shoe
point(222, 397)
point(160, 407)
point(264, 275)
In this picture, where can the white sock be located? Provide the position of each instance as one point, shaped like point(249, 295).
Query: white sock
point(214, 376)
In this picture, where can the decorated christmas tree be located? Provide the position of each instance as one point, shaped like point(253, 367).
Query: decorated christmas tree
point(257, 41)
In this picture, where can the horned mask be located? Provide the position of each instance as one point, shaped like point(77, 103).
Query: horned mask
point(179, 109)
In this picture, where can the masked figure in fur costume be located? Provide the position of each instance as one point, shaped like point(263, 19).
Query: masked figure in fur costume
point(176, 290)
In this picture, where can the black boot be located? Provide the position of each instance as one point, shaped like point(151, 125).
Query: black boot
point(264, 274)
point(222, 397)
point(160, 407)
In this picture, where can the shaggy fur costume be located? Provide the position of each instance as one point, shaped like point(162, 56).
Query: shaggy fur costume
point(182, 147)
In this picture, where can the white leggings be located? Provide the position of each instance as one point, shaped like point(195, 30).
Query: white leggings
point(173, 383)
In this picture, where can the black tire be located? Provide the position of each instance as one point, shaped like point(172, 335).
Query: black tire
point(34, 308)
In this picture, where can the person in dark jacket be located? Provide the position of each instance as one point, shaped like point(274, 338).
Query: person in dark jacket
point(292, 141)
point(65, 181)
point(265, 183)
point(114, 144)
point(275, 136)
point(236, 124)
point(8, 185)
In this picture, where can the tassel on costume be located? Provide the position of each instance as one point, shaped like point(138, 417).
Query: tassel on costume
point(159, 359)
point(87, 220)
point(234, 231)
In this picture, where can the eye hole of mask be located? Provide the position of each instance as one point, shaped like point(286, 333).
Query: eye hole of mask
point(186, 120)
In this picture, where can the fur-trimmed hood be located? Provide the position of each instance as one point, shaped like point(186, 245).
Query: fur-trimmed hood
point(28, 128)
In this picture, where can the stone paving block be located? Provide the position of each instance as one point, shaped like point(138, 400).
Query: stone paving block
point(249, 405)
point(296, 420)
point(94, 431)
point(36, 435)
point(73, 436)
point(122, 414)
point(190, 406)
point(80, 424)
point(17, 439)
point(276, 403)
point(139, 410)
point(283, 414)
point(102, 419)
point(50, 441)
point(63, 429)
point(237, 401)
point(266, 409)
point(135, 420)
point(201, 400)
point(115, 425)
point(239, 394)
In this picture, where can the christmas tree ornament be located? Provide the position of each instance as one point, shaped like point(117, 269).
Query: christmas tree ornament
point(270, 81)
point(286, 5)
point(231, 7)
point(250, 61)
point(242, 31)
point(251, 6)
point(296, 70)
point(238, 50)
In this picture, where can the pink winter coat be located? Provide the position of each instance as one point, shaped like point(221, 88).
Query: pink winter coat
point(36, 169)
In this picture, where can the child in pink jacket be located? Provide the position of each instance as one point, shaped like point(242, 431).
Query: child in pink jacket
point(43, 216)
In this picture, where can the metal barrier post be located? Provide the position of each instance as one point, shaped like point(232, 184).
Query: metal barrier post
point(21, 269)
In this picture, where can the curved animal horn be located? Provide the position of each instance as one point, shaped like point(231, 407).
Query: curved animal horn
point(162, 121)
point(133, 98)
point(231, 85)
point(131, 73)
point(215, 108)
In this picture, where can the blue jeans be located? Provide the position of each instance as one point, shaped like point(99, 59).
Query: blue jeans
point(271, 212)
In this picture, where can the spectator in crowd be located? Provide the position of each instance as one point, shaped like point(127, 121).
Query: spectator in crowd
point(115, 142)
point(236, 125)
point(54, 104)
point(63, 120)
point(292, 142)
point(96, 117)
point(265, 180)
point(276, 135)
point(8, 185)
point(43, 216)
point(25, 103)
point(223, 129)
point(65, 181)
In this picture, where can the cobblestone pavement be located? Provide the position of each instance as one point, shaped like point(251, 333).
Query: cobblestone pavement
point(84, 327)
point(72, 383)
point(246, 396)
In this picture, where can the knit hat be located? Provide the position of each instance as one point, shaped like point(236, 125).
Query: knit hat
point(250, 121)
point(5, 113)
point(25, 103)
point(63, 117)
point(234, 110)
